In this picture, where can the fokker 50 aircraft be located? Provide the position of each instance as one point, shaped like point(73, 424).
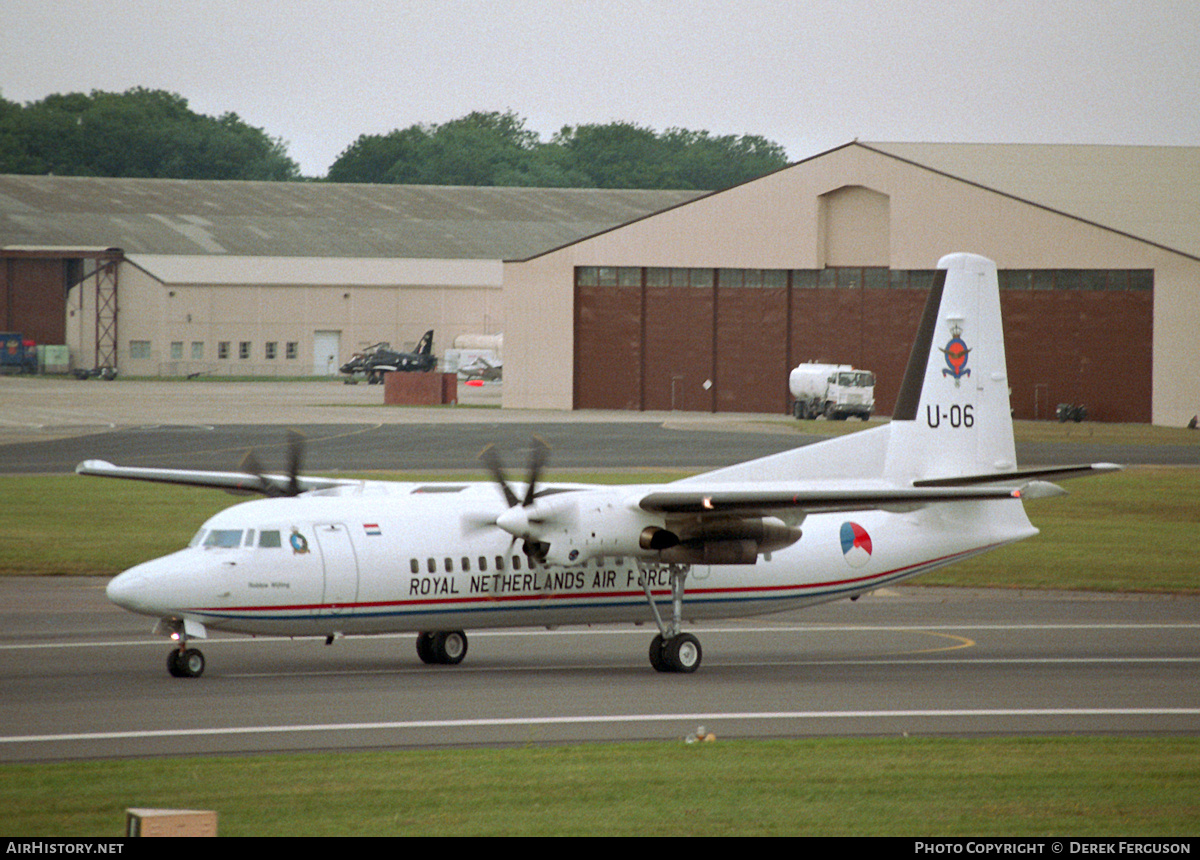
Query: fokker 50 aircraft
point(331, 557)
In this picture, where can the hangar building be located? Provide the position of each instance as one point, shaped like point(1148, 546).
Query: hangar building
point(638, 299)
point(707, 305)
point(171, 277)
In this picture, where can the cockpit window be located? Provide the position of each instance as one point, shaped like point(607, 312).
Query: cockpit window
point(269, 540)
point(224, 538)
point(199, 536)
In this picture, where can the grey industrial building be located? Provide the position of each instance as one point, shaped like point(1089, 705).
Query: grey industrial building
point(637, 299)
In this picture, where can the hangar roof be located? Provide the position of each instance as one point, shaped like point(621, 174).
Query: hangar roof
point(1151, 192)
point(310, 219)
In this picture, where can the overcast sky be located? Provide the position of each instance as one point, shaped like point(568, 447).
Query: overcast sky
point(809, 74)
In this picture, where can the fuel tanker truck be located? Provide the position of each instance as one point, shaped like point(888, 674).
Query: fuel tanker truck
point(836, 391)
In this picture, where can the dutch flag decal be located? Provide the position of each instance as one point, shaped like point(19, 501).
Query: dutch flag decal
point(372, 529)
point(856, 544)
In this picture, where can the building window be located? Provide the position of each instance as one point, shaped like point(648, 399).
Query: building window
point(197, 350)
point(223, 350)
point(244, 350)
point(271, 348)
point(176, 350)
point(139, 349)
point(293, 349)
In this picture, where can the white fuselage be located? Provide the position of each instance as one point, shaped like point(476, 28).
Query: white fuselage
point(391, 557)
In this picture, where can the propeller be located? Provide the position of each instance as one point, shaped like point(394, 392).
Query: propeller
point(270, 486)
point(516, 520)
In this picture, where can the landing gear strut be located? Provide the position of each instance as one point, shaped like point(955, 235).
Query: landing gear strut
point(445, 647)
point(671, 650)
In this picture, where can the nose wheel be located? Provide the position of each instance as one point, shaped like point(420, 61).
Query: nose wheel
point(185, 662)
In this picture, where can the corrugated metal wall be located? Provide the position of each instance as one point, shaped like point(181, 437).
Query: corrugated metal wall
point(725, 341)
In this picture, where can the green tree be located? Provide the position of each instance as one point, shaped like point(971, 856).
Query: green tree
point(497, 149)
point(138, 133)
point(481, 148)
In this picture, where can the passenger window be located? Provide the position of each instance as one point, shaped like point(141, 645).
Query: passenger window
point(414, 566)
point(449, 565)
point(432, 565)
point(482, 563)
point(269, 540)
point(516, 562)
point(466, 564)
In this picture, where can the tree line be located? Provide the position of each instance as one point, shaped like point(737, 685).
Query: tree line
point(154, 134)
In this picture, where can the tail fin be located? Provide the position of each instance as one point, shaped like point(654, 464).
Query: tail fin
point(425, 344)
point(952, 417)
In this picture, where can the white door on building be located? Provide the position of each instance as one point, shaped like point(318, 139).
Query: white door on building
point(326, 348)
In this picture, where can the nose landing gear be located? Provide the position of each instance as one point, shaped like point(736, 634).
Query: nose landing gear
point(182, 662)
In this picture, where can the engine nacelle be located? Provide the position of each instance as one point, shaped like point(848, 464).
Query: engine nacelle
point(596, 525)
point(605, 525)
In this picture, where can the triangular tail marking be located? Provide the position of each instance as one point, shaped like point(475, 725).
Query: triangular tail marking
point(914, 375)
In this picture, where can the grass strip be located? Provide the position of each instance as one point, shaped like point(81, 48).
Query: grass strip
point(895, 786)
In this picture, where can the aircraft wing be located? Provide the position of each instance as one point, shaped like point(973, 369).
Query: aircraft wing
point(235, 481)
point(765, 499)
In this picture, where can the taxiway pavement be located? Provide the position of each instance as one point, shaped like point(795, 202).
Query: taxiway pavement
point(83, 679)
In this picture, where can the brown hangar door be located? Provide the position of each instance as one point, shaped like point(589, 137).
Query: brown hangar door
point(724, 340)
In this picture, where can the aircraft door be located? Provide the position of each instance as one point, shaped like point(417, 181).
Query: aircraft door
point(341, 567)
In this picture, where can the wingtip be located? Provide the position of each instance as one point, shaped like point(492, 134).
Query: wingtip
point(89, 466)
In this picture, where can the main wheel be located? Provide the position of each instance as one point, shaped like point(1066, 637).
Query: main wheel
point(656, 655)
point(682, 653)
point(425, 647)
point(450, 646)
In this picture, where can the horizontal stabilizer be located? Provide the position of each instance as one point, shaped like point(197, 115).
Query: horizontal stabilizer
point(1044, 473)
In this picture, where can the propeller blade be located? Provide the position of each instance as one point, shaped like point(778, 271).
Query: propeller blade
point(541, 453)
point(491, 460)
point(515, 520)
point(295, 454)
point(251, 466)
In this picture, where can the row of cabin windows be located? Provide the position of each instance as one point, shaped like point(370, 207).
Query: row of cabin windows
point(431, 564)
point(480, 565)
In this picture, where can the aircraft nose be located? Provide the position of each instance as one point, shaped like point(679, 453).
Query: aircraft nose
point(121, 588)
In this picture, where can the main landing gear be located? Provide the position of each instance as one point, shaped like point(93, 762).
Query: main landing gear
point(671, 650)
point(444, 647)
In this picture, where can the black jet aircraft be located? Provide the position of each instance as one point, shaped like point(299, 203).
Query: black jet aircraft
point(374, 361)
